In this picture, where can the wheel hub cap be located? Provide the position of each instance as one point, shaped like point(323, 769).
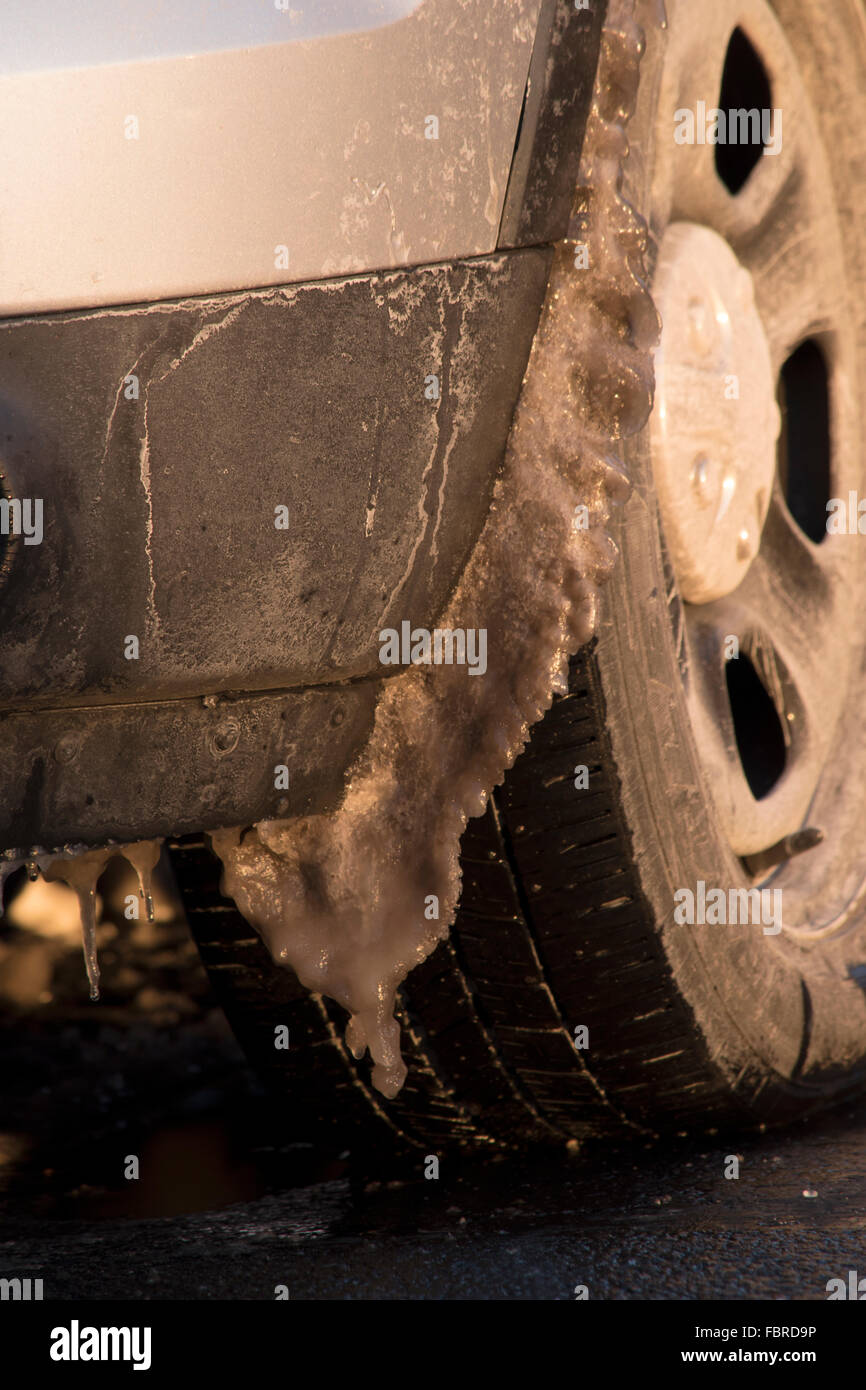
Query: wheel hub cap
point(715, 422)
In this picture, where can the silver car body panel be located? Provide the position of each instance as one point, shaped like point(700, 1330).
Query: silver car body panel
point(270, 162)
point(37, 37)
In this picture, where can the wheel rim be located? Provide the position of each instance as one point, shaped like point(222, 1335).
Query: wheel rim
point(765, 723)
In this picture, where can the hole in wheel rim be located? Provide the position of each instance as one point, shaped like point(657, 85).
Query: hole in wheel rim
point(804, 442)
point(757, 727)
point(745, 86)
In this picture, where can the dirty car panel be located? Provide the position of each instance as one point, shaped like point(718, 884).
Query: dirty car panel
point(249, 483)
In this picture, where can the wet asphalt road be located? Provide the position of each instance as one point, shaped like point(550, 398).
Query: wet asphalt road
point(662, 1229)
point(636, 1222)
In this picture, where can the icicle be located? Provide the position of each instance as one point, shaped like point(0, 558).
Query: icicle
point(144, 857)
point(82, 873)
point(88, 931)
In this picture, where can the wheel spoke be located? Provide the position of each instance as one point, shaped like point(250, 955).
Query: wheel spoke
point(787, 620)
point(794, 259)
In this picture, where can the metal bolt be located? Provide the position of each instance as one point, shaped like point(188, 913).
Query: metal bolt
point(67, 748)
point(224, 738)
point(784, 849)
